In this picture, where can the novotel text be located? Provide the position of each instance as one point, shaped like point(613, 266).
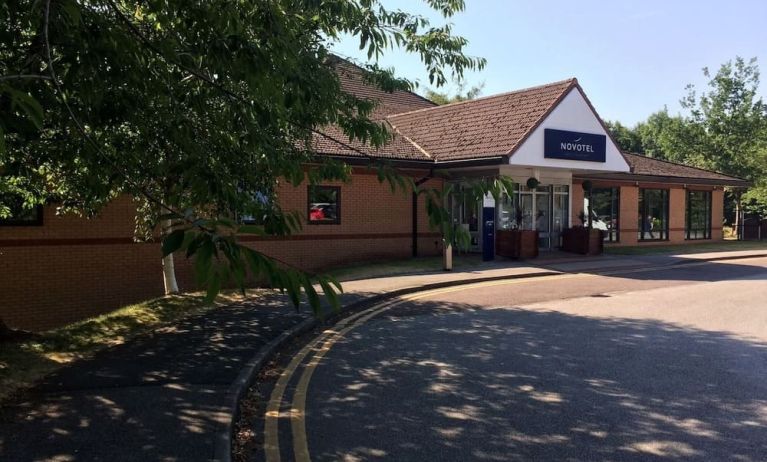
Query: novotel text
point(578, 147)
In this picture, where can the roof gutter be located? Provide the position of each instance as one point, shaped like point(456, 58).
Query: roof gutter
point(628, 177)
point(360, 161)
point(496, 160)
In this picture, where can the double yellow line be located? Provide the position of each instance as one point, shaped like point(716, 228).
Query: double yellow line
point(320, 346)
point(325, 341)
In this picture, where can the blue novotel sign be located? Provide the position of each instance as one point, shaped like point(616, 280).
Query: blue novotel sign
point(561, 144)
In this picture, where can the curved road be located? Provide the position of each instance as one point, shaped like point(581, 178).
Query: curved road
point(638, 366)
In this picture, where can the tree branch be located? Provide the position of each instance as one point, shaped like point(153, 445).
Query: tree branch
point(24, 77)
point(81, 128)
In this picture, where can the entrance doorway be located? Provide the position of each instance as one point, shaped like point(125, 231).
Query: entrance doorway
point(545, 208)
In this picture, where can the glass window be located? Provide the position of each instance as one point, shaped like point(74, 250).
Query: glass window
point(516, 212)
point(20, 215)
point(257, 218)
point(698, 216)
point(653, 214)
point(605, 212)
point(324, 205)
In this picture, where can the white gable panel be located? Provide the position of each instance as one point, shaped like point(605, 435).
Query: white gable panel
point(572, 114)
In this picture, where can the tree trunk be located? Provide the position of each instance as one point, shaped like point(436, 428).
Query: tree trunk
point(168, 266)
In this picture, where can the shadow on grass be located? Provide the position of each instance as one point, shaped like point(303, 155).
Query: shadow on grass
point(457, 382)
point(399, 267)
point(24, 362)
point(161, 396)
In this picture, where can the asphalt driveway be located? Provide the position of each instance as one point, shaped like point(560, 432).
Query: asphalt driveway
point(645, 366)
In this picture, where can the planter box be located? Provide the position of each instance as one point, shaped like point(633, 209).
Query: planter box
point(515, 243)
point(583, 241)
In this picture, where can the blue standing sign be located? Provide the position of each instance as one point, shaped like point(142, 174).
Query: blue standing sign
point(488, 233)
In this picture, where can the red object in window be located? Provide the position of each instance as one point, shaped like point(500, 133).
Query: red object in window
point(316, 214)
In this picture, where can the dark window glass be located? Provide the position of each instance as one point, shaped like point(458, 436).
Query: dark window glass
point(653, 214)
point(258, 218)
point(20, 215)
point(605, 212)
point(324, 205)
point(698, 216)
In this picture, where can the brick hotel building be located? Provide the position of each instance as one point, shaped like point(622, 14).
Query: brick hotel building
point(58, 269)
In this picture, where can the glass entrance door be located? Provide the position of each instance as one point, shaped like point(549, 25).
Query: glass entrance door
point(545, 208)
point(560, 214)
point(543, 217)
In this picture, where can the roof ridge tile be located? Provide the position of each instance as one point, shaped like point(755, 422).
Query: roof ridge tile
point(571, 81)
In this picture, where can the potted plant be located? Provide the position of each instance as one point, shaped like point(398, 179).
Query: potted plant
point(584, 239)
point(517, 242)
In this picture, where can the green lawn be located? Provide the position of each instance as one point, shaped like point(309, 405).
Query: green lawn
point(384, 268)
point(722, 246)
point(24, 363)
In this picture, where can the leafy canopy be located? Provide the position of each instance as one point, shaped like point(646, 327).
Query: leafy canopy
point(197, 110)
point(723, 128)
point(461, 94)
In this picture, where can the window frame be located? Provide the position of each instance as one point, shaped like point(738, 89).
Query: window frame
point(337, 189)
point(708, 198)
point(615, 212)
point(663, 233)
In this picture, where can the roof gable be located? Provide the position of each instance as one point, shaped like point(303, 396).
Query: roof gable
point(571, 113)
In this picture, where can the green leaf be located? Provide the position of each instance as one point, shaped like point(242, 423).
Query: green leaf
point(214, 287)
point(311, 294)
point(330, 294)
point(173, 242)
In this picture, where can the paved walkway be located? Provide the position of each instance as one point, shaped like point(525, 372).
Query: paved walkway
point(163, 396)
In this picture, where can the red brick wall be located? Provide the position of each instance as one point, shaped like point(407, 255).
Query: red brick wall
point(576, 199)
point(71, 268)
point(629, 215)
point(717, 214)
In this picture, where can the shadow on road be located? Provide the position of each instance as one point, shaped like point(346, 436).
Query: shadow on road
point(435, 381)
point(682, 270)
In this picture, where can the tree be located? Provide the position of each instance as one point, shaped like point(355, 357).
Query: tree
point(195, 109)
point(628, 139)
point(462, 94)
point(729, 121)
point(726, 129)
point(723, 129)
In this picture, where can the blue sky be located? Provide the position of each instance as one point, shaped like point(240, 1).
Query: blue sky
point(631, 58)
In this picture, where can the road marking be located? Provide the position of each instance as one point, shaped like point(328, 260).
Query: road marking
point(271, 418)
point(297, 413)
point(331, 336)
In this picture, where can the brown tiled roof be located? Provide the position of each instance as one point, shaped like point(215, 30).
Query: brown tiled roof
point(334, 142)
point(648, 169)
point(643, 165)
point(484, 127)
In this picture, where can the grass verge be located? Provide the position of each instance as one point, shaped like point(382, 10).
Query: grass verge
point(726, 246)
point(24, 363)
point(383, 268)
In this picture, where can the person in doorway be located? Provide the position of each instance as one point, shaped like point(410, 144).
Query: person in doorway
point(540, 221)
point(648, 226)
